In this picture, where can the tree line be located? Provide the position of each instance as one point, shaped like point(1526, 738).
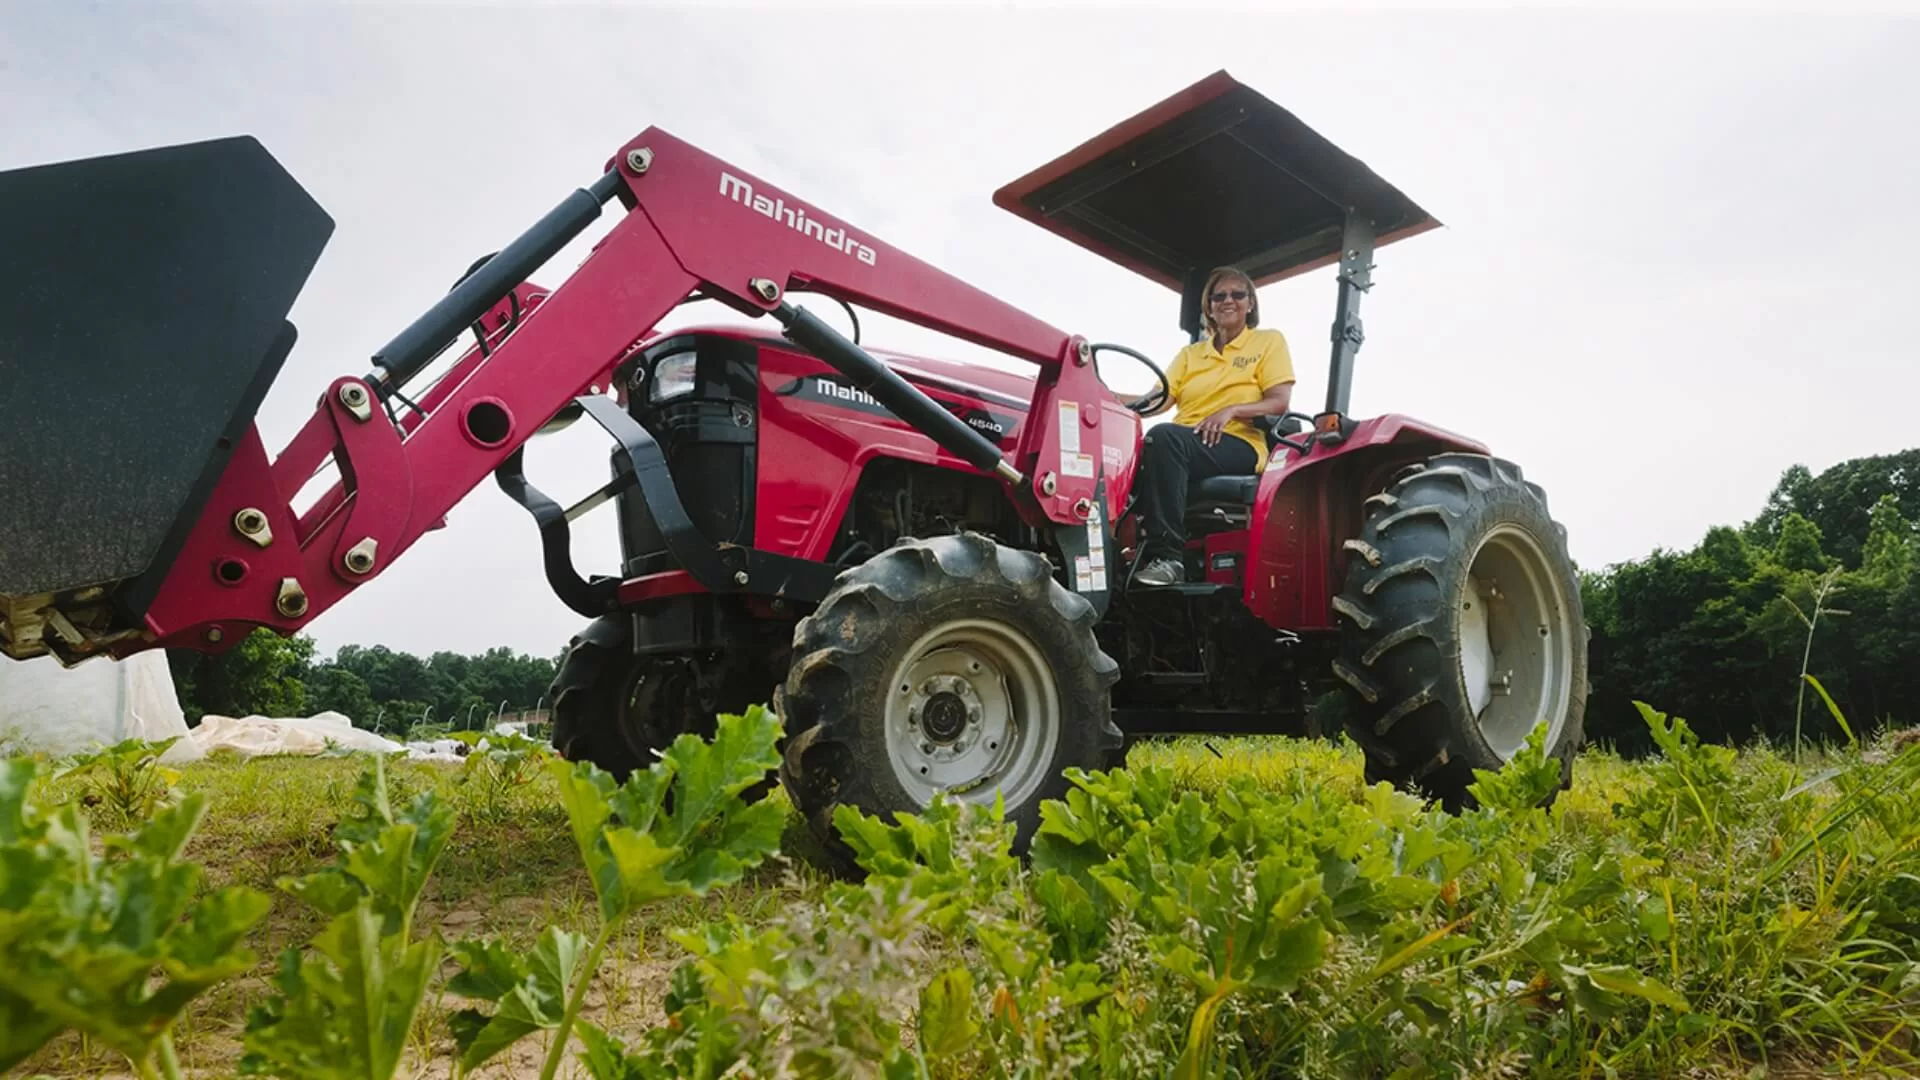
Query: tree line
point(1823, 579)
point(377, 687)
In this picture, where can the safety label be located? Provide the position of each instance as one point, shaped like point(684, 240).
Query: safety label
point(1069, 429)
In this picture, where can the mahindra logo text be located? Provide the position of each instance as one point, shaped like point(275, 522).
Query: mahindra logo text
point(845, 393)
point(795, 216)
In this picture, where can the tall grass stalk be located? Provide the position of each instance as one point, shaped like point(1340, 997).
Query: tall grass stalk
point(1812, 621)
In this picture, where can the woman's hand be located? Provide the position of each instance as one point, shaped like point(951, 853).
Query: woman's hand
point(1215, 426)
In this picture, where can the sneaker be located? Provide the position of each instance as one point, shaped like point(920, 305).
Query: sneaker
point(1162, 571)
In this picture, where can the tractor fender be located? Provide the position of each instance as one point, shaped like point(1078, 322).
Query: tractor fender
point(1308, 506)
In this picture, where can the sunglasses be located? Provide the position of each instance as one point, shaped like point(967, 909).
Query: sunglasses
point(1221, 296)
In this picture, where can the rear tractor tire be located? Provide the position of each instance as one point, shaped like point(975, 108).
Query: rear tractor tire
point(620, 711)
point(1463, 628)
point(948, 664)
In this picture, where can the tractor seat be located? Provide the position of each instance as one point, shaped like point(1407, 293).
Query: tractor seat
point(1226, 502)
point(1220, 502)
point(1224, 489)
point(1241, 489)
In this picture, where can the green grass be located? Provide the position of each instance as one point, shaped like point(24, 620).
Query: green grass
point(510, 870)
point(1806, 969)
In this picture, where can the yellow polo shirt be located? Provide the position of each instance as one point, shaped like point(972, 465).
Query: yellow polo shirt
point(1205, 380)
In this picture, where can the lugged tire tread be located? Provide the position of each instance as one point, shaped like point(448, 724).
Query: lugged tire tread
point(827, 760)
point(1398, 665)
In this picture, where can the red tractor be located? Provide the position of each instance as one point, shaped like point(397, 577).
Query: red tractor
point(924, 565)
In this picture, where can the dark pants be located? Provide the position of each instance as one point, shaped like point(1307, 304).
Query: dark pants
point(1173, 458)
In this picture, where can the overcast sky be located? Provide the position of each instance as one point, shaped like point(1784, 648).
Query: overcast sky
point(1680, 252)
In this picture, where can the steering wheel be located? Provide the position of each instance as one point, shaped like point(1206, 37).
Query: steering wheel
point(1155, 399)
point(1278, 428)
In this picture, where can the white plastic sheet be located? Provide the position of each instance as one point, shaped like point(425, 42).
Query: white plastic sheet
point(49, 709)
point(256, 736)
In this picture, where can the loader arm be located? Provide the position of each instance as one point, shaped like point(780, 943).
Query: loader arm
point(692, 223)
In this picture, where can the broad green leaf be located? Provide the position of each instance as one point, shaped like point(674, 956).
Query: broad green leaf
point(637, 802)
point(1286, 954)
point(166, 832)
point(730, 961)
point(489, 970)
point(345, 1012)
point(531, 991)
point(1651, 913)
point(877, 847)
point(16, 778)
point(382, 855)
point(331, 891)
point(1077, 928)
point(606, 1057)
point(205, 952)
point(1523, 784)
point(708, 777)
point(640, 864)
point(1626, 980)
point(23, 1029)
point(84, 933)
point(1189, 831)
point(711, 837)
point(744, 841)
point(1080, 984)
point(396, 861)
point(947, 1024)
point(1185, 961)
point(583, 791)
point(1592, 882)
point(556, 957)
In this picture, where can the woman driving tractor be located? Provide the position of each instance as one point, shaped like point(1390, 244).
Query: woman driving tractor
point(1218, 383)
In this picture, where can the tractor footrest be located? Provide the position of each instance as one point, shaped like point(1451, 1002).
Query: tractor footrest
point(1197, 590)
point(1173, 678)
point(1152, 721)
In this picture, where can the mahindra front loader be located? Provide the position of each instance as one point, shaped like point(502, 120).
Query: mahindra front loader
point(923, 565)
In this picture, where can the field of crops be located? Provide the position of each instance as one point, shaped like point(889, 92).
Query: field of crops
point(1233, 908)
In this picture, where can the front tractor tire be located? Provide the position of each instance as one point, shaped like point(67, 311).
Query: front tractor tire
point(620, 711)
point(948, 664)
point(1463, 628)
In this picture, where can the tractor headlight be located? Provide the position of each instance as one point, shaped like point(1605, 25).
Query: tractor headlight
point(673, 376)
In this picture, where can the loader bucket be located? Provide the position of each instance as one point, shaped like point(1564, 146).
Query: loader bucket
point(143, 304)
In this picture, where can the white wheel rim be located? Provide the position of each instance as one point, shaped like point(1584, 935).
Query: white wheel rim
point(1517, 641)
point(972, 710)
point(1476, 652)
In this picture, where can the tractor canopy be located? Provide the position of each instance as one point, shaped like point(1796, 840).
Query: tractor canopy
point(1215, 175)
